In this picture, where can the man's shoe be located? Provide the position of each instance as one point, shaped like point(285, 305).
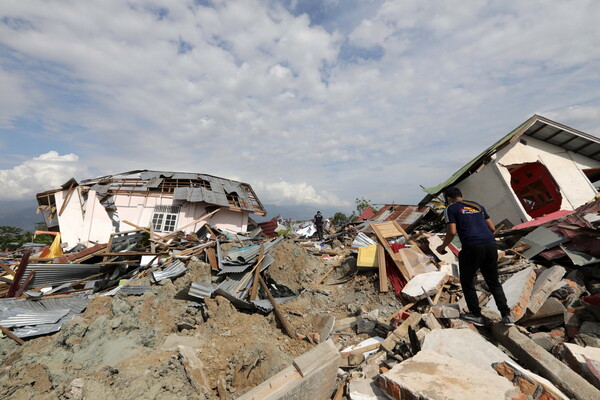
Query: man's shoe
point(476, 320)
point(507, 321)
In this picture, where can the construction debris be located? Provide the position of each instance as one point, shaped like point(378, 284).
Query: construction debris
point(270, 312)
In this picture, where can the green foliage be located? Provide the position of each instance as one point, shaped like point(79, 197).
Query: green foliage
point(339, 219)
point(362, 203)
point(12, 238)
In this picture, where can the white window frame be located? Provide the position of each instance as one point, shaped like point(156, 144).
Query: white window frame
point(164, 218)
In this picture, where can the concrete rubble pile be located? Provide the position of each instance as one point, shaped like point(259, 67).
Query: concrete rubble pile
point(371, 312)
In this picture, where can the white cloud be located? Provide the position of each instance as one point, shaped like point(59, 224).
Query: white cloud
point(45, 172)
point(283, 192)
point(401, 96)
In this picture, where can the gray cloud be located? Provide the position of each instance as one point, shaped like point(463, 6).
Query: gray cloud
point(402, 97)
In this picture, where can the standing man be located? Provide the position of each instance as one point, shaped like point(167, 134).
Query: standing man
point(318, 221)
point(479, 251)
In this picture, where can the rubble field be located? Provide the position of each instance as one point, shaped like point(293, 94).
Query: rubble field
point(371, 312)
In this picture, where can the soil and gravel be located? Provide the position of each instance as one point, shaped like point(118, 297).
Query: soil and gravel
point(119, 347)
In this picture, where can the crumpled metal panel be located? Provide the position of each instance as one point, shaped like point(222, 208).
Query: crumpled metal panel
point(177, 268)
point(154, 174)
point(181, 193)
point(76, 305)
point(362, 240)
point(267, 261)
point(153, 182)
point(213, 197)
point(201, 290)
point(250, 253)
point(135, 290)
point(184, 175)
point(23, 317)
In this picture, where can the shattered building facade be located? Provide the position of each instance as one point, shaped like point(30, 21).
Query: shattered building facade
point(539, 168)
point(90, 210)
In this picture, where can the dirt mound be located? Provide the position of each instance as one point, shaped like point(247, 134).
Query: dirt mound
point(293, 266)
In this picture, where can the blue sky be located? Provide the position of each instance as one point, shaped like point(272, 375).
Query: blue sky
point(312, 102)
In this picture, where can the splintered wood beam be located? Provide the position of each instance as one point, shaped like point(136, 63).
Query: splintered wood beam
point(383, 279)
point(276, 309)
point(12, 335)
point(67, 198)
point(254, 289)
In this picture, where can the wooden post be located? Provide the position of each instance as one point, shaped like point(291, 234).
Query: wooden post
point(66, 200)
point(19, 273)
point(25, 284)
point(254, 289)
point(383, 280)
point(212, 258)
point(12, 335)
point(276, 309)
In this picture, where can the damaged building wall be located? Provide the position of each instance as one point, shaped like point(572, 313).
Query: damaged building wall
point(95, 225)
point(564, 166)
point(492, 184)
point(490, 187)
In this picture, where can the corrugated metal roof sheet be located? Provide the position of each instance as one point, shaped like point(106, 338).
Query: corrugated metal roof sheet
point(58, 274)
point(232, 269)
point(75, 305)
point(177, 268)
point(20, 317)
point(201, 290)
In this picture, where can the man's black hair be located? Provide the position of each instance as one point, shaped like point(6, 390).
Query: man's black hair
point(452, 192)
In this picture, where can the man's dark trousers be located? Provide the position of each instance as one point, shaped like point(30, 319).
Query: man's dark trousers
point(320, 231)
point(482, 256)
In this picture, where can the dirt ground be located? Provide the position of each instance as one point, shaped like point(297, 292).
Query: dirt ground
point(118, 348)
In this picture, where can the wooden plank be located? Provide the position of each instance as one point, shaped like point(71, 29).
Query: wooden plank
point(394, 315)
point(12, 335)
point(7, 268)
point(414, 244)
point(212, 258)
point(383, 280)
point(395, 256)
point(254, 289)
point(19, 273)
point(276, 309)
point(25, 284)
point(67, 198)
point(340, 392)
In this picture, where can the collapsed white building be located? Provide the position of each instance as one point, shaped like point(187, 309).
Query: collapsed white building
point(539, 168)
point(89, 211)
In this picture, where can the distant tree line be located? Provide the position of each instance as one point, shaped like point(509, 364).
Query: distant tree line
point(12, 238)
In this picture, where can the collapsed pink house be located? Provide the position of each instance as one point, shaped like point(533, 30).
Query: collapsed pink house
point(91, 210)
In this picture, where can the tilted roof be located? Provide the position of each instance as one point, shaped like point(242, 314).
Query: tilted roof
point(538, 127)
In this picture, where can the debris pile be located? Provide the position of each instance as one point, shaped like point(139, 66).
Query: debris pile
point(371, 312)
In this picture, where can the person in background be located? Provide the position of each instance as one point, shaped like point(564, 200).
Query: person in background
point(479, 252)
point(318, 221)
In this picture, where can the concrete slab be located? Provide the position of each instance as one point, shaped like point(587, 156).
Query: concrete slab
point(545, 284)
point(365, 389)
point(578, 356)
point(532, 356)
point(319, 372)
point(518, 292)
point(481, 353)
point(530, 388)
point(432, 376)
point(550, 315)
point(431, 282)
point(453, 342)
